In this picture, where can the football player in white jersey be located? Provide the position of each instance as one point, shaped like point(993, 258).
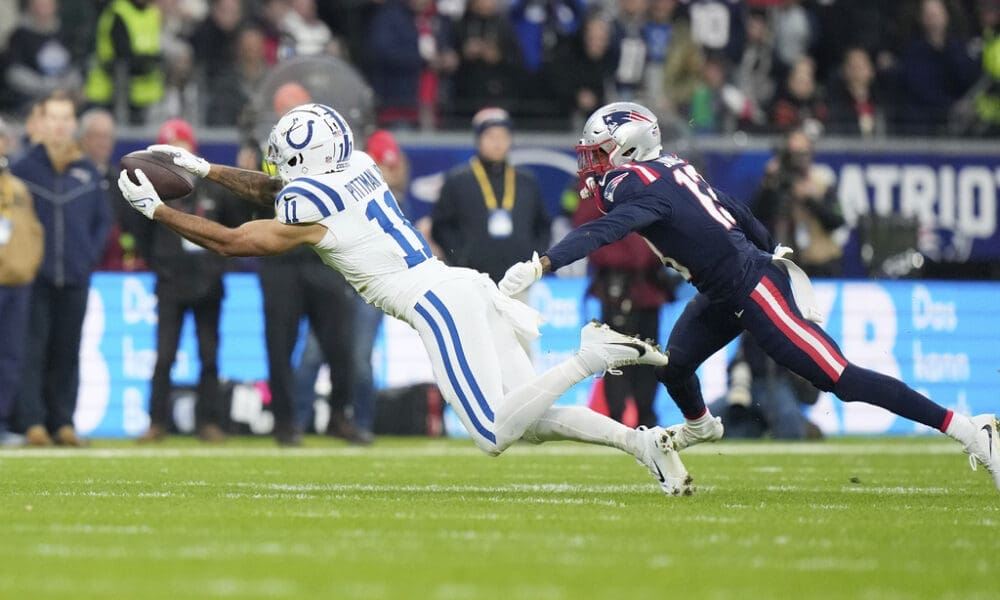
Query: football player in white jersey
point(332, 197)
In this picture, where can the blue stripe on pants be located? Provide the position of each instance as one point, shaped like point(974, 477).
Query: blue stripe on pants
point(486, 433)
point(463, 363)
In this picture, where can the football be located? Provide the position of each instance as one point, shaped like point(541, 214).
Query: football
point(171, 182)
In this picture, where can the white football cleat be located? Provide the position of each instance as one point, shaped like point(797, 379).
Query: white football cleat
point(657, 453)
point(619, 350)
point(686, 435)
point(985, 445)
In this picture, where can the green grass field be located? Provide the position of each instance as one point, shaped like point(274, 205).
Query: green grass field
point(860, 519)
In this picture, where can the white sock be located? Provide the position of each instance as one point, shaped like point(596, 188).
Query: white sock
point(700, 421)
point(591, 361)
point(961, 429)
point(522, 406)
point(580, 424)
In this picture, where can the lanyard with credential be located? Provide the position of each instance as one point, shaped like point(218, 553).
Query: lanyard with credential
point(484, 184)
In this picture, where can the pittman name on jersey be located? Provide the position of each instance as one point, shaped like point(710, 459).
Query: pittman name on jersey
point(364, 184)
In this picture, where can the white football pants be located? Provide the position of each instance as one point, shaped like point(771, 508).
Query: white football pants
point(485, 374)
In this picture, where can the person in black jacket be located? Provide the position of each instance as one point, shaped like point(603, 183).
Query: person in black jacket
point(74, 211)
point(188, 279)
point(489, 213)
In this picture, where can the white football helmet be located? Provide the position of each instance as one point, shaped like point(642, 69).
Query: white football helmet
point(309, 140)
point(616, 134)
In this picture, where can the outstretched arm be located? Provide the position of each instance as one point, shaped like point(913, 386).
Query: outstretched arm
point(253, 186)
point(578, 243)
point(257, 238)
point(262, 237)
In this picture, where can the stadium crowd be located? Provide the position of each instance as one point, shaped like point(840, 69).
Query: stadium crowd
point(852, 67)
point(790, 67)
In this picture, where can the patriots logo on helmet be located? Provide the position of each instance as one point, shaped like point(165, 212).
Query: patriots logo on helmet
point(618, 118)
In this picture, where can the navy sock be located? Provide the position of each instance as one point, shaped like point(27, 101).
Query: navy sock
point(862, 385)
point(685, 391)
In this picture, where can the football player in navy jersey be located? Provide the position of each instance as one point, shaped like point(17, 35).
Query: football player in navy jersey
point(744, 282)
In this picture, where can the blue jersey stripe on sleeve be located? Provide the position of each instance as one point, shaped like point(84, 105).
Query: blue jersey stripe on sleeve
point(308, 195)
point(329, 191)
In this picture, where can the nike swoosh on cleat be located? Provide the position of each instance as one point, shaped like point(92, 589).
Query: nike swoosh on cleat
point(659, 473)
point(638, 347)
point(989, 434)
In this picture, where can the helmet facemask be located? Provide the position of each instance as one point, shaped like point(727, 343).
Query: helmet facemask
point(591, 161)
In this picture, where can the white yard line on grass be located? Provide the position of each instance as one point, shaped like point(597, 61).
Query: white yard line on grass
point(432, 449)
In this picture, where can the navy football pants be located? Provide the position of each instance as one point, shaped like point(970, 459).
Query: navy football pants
point(770, 315)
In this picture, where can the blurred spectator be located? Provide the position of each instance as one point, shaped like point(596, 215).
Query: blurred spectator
point(717, 25)
point(630, 47)
point(541, 25)
point(21, 245)
point(214, 41)
point(181, 88)
point(9, 13)
point(39, 61)
point(97, 141)
point(490, 214)
point(755, 72)
point(79, 28)
point(719, 106)
point(74, 211)
point(580, 75)
point(764, 398)
point(188, 279)
point(799, 206)
point(230, 93)
point(632, 285)
point(34, 128)
point(128, 59)
point(979, 112)
point(657, 33)
point(409, 48)
point(844, 24)
point(681, 76)
point(181, 93)
point(934, 72)
point(268, 19)
point(348, 21)
point(793, 33)
point(307, 34)
point(799, 104)
point(179, 20)
point(491, 63)
point(855, 102)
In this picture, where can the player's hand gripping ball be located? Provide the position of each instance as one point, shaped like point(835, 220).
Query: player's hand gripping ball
point(170, 180)
point(141, 196)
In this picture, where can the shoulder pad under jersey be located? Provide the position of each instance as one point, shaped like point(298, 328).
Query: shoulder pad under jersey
point(306, 200)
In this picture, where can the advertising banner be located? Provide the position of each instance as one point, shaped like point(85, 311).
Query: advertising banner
point(939, 337)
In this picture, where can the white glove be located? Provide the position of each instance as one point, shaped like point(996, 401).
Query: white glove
point(142, 197)
point(521, 275)
point(195, 165)
point(781, 251)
